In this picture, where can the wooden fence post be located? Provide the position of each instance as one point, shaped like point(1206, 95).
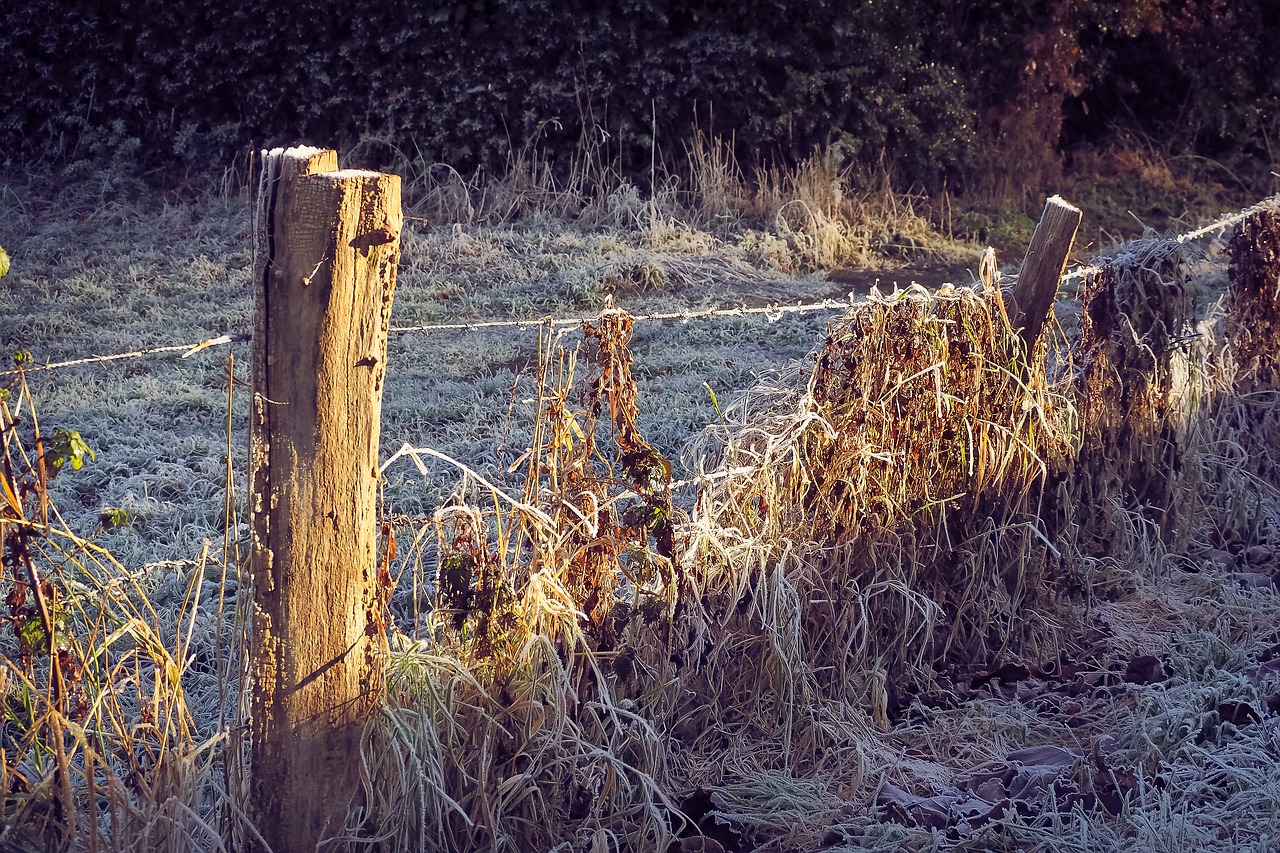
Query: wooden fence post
point(1042, 268)
point(326, 250)
point(1254, 318)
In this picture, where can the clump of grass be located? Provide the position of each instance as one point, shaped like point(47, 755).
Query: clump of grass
point(817, 216)
point(927, 500)
point(718, 191)
point(514, 705)
point(895, 496)
point(106, 695)
point(1255, 267)
point(1137, 388)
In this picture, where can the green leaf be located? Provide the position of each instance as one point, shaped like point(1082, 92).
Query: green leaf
point(31, 633)
point(4, 262)
point(714, 402)
point(68, 446)
point(112, 517)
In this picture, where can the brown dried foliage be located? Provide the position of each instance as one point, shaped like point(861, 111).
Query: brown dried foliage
point(1135, 314)
point(1255, 291)
point(609, 508)
point(928, 504)
point(913, 482)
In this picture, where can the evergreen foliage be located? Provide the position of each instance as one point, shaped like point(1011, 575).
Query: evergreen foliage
point(936, 91)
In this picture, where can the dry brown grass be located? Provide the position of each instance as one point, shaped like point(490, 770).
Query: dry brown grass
point(873, 537)
point(820, 215)
point(904, 481)
point(926, 504)
point(106, 695)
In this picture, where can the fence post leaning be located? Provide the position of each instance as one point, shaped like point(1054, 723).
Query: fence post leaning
point(1042, 268)
point(325, 256)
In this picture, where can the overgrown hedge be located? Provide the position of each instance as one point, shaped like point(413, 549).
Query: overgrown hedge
point(942, 90)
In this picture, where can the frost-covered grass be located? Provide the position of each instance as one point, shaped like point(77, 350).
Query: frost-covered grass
point(1192, 768)
point(119, 278)
point(123, 280)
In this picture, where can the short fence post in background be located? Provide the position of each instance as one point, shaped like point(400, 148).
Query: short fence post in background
point(1042, 268)
point(326, 249)
point(1254, 317)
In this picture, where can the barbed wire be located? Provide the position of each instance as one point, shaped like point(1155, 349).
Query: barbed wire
point(416, 454)
point(1232, 219)
point(772, 312)
point(186, 350)
point(1080, 272)
point(1222, 222)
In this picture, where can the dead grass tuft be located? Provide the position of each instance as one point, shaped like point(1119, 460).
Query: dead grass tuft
point(897, 495)
point(109, 697)
point(909, 600)
point(925, 511)
point(819, 216)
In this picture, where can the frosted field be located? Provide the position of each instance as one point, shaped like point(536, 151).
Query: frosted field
point(1184, 756)
point(118, 281)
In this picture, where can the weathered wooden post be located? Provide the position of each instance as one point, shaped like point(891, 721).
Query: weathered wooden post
point(326, 250)
point(1042, 268)
point(1254, 318)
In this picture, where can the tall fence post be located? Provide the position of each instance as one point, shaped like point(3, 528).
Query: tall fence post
point(1042, 268)
point(326, 249)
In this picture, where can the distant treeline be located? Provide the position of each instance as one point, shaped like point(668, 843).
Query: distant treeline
point(938, 90)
